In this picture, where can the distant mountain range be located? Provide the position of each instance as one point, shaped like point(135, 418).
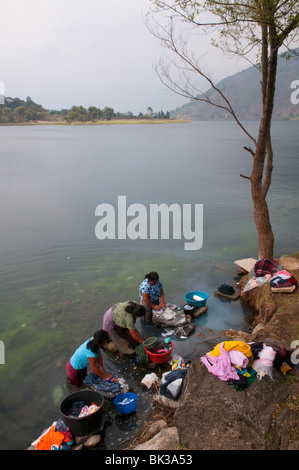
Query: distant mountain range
point(244, 93)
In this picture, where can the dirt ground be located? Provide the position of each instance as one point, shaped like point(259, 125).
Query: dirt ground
point(275, 315)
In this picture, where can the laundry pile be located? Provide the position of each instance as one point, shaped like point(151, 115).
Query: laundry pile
point(56, 437)
point(169, 316)
point(240, 363)
point(172, 383)
point(80, 409)
point(267, 270)
point(283, 279)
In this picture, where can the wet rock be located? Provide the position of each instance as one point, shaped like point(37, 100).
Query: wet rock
point(93, 441)
point(78, 447)
point(185, 330)
point(88, 441)
point(289, 263)
point(212, 416)
point(166, 439)
point(200, 311)
point(157, 426)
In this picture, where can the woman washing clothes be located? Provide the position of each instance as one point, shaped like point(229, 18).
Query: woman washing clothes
point(89, 354)
point(120, 320)
point(151, 294)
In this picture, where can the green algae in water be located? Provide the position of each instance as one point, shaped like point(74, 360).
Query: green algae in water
point(58, 316)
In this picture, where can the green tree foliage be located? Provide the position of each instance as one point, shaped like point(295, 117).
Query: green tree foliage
point(16, 111)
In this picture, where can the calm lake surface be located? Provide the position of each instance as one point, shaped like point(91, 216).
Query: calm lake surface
point(58, 278)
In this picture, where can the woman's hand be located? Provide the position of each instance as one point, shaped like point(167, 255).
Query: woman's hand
point(111, 379)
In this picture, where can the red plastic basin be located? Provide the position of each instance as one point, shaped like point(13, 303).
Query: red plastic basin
point(160, 358)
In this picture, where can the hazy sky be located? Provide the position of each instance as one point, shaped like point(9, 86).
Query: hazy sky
point(88, 52)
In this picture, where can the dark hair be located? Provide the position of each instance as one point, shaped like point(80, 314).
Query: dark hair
point(136, 309)
point(153, 276)
point(97, 340)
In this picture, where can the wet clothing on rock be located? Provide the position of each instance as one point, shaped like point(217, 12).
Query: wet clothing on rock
point(56, 437)
point(229, 345)
point(240, 363)
point(220, 364)
point(169, 316)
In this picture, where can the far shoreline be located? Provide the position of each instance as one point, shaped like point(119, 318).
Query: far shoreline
point(98, 123)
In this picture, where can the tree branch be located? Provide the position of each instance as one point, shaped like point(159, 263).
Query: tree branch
point(246, 177)
point(249, 150)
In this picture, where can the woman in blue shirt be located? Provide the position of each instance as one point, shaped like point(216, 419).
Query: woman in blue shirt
point(89, 354)
point(151, 294)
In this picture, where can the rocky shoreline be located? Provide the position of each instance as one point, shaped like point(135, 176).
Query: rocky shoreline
point(210, 415)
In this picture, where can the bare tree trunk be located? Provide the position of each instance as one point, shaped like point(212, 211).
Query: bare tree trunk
point(263, 147)
point(262, 222)
point(278, 22)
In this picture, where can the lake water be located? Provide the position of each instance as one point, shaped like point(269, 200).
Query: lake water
point(58, 278)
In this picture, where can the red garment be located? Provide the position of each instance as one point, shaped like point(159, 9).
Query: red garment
point(265, 266)
point(52, 440)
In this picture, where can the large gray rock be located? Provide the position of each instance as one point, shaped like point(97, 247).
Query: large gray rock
point(289, 262)
point(166, 439)
point(211, 415)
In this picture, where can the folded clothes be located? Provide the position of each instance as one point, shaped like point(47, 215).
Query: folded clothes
point(265, 266)
point(283, 279)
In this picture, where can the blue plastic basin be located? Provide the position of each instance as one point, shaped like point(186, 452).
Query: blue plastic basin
point(126, 408)
point(197, 303)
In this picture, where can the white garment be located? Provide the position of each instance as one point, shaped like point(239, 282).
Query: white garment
point(149, 379)
point(263, 365)
point(168, 316)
